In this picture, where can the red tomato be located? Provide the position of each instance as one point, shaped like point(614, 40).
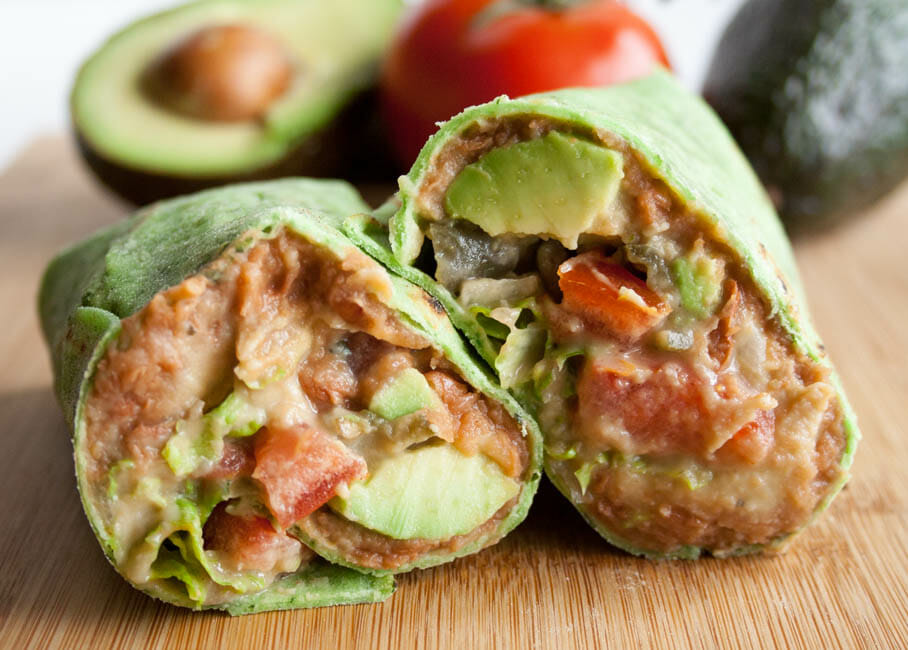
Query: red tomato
point(752, 442)
point(249, 543)
point(608, 297)
point(664, 414)
point(455, 53)
point(301, 469)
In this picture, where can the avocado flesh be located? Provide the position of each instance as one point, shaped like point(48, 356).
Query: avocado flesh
point(334, 47)
point(431, 492)
point(406, 393)
point(554, 186)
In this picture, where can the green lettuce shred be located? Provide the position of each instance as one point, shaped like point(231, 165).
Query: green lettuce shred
point(691, 476)
point(584, 474)
point(192, 445)
point(499, 292)
point(553, 361)
point(171, 564)
point(519, 354)
point(181, 551)
point(494, 328)
point(611, 458)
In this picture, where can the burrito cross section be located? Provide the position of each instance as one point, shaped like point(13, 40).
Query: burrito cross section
point(678, 412)
point(255, 403)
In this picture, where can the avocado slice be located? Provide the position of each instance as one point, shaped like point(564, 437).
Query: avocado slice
point(556, 186)
point(698, 277)
point(406, 393)
point(816, 95)
point(145, 149)
point(431, 492)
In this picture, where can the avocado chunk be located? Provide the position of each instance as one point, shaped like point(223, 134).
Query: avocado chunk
point(308, 59)
point(406, 393)
point(817, 104)
point(699, 280)
point(554, 186)
point(431, 492)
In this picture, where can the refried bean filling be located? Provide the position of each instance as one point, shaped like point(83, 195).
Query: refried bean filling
point(235, 406)
point(675, 409)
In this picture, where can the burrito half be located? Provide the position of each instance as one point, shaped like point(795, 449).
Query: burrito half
point(612, 255)
point(255, 402)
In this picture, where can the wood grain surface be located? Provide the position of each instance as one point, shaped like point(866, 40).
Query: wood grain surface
point(552, 583)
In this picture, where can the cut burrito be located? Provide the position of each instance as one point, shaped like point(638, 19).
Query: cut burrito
point(255, 402)
point(611, 254)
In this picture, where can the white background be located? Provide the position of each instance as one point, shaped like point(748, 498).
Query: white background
point(42, 43)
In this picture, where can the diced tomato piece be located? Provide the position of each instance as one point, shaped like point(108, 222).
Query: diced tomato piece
point(236, 461)
point(300, 469)
point(609, 297)
point(250, 543)
point(664, 413)
point(752, 441)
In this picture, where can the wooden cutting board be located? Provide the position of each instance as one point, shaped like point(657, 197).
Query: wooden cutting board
point(552, 583)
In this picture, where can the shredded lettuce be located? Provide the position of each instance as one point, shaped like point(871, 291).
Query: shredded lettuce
point(487, 292)
point(584, 474)
point(499, 321)
point(611, 458)
point(561, 355)
point(171, 564)
point(553, 362)
point(692, 476)
point(181, 554)
point(493, 328)
point(199, 441)
point(520, 353)
point(503, 305)
point(188, 447)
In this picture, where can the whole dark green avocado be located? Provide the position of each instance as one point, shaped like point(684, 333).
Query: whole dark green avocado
point(816, 94)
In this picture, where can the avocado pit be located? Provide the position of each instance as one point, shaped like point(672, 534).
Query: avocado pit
point(221, 73)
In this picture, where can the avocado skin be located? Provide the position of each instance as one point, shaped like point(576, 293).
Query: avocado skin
point(353, 147)
point(816, 94)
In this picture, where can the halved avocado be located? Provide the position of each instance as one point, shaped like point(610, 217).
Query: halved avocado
point(146, 145)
